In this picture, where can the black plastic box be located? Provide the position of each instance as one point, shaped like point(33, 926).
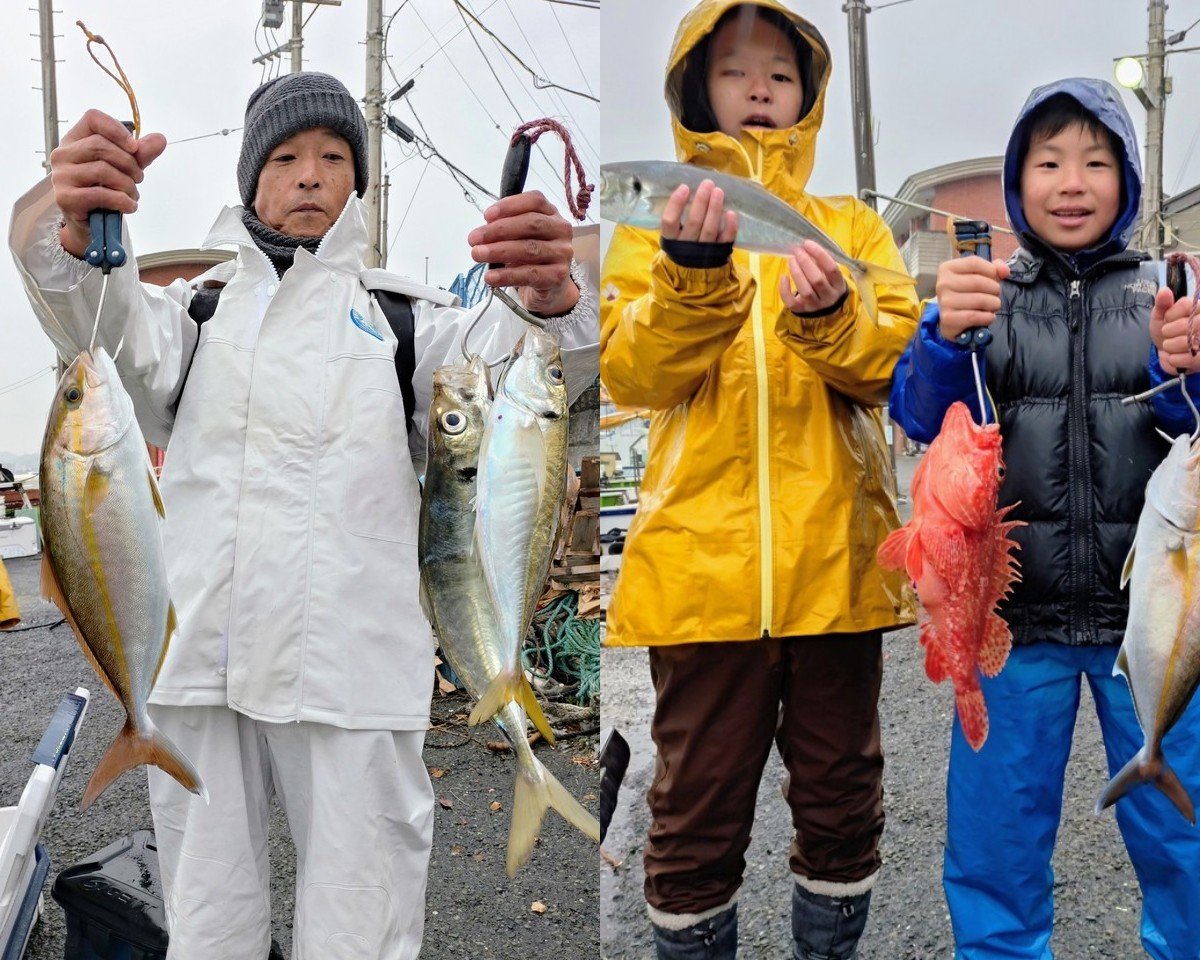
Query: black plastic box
point(113, 902)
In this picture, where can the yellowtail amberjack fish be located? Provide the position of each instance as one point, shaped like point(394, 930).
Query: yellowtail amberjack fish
point(636, 192)
point(103, 559)
point(1160, 655)
point(456, 598)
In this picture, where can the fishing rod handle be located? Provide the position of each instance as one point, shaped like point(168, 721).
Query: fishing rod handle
point(105, 250)
point(973, 238)
point(514, 173)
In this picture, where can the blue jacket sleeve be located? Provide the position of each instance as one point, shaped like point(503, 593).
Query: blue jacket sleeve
point(931, 375)
point(1170, 409)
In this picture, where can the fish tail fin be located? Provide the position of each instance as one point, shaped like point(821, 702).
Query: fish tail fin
point(865, 284)
point(997, 642)
point(131, 749)
point(1144, 768)
point(534, 711)
point(534, 792)
point(973, 715)
point(505, 687)
point(868, 275)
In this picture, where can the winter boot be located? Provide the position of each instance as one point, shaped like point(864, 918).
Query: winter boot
point(713, 938)
point(827, 927)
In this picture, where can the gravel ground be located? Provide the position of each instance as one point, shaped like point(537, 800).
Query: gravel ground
point(1097, 897)
point(472, 908)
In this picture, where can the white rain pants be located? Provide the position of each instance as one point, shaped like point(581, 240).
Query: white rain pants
point(360, 808)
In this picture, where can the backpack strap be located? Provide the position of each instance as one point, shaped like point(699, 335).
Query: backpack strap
point(399, 312)
point(395, 306)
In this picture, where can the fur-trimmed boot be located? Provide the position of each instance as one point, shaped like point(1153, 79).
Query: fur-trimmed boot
point(828, 925)
point(711, 935)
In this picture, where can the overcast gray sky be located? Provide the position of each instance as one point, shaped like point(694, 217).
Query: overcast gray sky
point(947, 78)
point(190, 65)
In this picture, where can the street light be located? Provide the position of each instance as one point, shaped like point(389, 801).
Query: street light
point(1130, 73)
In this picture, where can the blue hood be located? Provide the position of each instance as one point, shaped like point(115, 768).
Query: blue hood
point(1102, 100)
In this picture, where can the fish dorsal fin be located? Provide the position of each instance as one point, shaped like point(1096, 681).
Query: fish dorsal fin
point(154, 494)
point(1127, 570)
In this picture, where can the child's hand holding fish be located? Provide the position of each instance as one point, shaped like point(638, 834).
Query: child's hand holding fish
point(816, 282)
point(968, 293)
point(707, 219)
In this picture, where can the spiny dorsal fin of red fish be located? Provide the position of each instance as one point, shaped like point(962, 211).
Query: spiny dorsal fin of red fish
point(973, 715)
point(997, 642)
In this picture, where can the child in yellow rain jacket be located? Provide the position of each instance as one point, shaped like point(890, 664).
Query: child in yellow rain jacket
point(750, 567)
point(10, 613)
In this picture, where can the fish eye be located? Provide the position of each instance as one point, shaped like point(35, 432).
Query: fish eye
point(73, 395)
point(453, 422)
point(637, 185)
point(555, 372)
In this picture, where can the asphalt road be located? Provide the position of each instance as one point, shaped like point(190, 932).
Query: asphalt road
point(1097, 898)
point(472, 908)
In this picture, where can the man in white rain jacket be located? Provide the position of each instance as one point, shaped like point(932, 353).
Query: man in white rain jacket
point(302, 664)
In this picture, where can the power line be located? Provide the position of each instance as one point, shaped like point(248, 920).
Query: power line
point(25, 381)
point(224, 132)
point(411, 200)
point(577, 3)
point(571, 47)
point(504, 90)
point(495, 122)
point(582, 134)
point(538, 81)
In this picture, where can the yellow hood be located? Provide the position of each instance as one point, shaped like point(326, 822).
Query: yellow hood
point(788, 154)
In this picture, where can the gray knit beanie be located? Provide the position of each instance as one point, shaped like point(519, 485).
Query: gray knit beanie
point(289, 104)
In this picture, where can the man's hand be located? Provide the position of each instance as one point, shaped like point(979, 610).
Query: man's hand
point(813, 282)
point(98, 166)
point(707, 219)
point(1169, 331)
point(533, 241)
point(968, 293)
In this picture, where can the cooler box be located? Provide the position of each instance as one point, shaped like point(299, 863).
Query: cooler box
point(113, 902)
point(23, 861)
point(18, 538)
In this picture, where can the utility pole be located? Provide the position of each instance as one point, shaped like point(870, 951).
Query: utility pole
point(49, 78)
point(860, 99)
point(374, 111)
point(1156, 82)
point(297, 35)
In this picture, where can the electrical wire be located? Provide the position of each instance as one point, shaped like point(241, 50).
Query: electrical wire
point(504, 90)
point(544, 82)
point(412, 198)
point(581, 134)
point(571, 47)
point(224, 132)
point(25, 381)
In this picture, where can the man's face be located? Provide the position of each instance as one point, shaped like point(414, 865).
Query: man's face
point(305, 183)
point(1071, 188)
point(753, 77)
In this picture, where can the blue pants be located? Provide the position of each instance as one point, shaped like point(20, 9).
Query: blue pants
point(1004, 803)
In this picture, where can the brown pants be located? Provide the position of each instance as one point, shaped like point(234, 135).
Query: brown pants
point(718, 710)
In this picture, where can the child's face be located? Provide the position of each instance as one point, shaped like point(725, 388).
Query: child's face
point(1071, 188)
point(753, 77)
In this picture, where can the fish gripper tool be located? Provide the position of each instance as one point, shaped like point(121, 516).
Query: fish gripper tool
point(105, 250)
